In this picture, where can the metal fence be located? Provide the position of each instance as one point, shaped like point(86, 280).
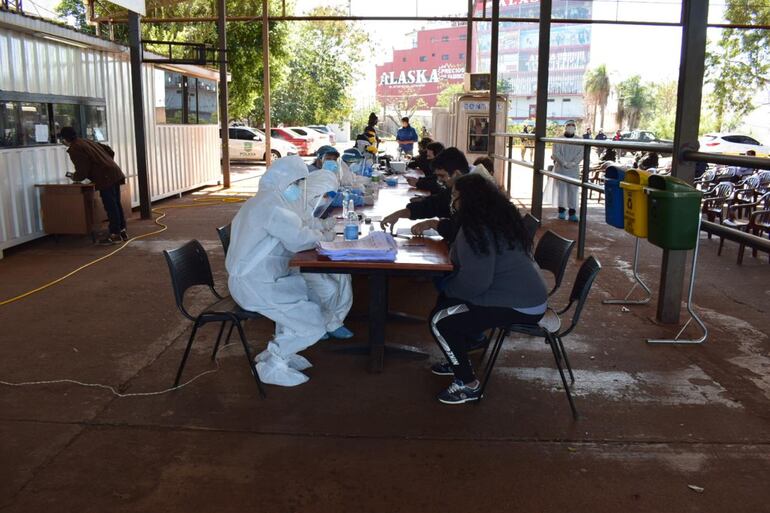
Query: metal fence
point(729, 233)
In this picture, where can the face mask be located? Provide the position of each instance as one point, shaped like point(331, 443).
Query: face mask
point(331, 165)
point(292, 193)
point(569, 131)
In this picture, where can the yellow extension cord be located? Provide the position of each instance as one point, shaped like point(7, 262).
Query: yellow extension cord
point(161, 212)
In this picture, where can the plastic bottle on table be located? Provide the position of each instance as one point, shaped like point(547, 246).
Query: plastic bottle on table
point(351, 226)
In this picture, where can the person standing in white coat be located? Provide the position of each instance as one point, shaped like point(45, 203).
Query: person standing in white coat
point(266, 232)
point(332, 292)
point(567, 158)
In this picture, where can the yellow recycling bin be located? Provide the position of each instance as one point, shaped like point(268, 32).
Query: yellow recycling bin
point(635, 211)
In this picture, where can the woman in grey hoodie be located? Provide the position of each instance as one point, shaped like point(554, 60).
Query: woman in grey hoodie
point(495, 283)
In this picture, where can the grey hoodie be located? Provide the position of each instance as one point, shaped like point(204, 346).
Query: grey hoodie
point(509, 279)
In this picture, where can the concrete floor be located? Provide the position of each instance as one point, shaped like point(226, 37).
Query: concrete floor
point(654, 420)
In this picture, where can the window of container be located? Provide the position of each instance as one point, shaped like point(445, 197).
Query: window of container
point(9, 124)
point(66, 114)
point(96, 122)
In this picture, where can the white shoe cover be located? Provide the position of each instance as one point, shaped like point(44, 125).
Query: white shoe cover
point(298, 362)
point(274, 370)
point(294, 361)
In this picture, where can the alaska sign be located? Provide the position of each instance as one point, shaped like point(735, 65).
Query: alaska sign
point(421, 76)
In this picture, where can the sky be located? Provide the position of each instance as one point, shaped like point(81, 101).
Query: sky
point(626, 50)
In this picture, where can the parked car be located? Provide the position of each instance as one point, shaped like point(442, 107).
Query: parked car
point(249, 144)
point(644, 136)
point(317, 139)
point(303, 143)
point(325, 130)
point(732, 143)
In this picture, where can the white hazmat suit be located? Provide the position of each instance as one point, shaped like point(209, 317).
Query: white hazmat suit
point(267, 231)
point(567, 159)
point(332, 292)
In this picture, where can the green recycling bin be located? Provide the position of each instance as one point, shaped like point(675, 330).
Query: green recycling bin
point(673, 212)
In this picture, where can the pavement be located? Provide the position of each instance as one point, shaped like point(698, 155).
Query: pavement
point(662, 428)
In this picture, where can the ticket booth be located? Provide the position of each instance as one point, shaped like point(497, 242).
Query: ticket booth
point(467, 125)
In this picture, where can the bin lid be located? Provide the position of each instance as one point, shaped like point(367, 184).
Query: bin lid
point(669, 183)
point(659, 193)
point(614, 173)
point(637, 176)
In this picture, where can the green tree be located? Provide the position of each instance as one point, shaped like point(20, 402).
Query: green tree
point(597, 89)
point(324, 63)
point(737, 65)
point(445, 97)
point(661, 114)
point(75, 12)
point(633, 99)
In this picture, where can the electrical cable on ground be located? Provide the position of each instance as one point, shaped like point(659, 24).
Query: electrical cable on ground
point(161, 212)
point(205, 202)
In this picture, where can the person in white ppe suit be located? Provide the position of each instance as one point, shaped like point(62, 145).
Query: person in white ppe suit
point(267, 231)
point(567, 159)
point(332, 292)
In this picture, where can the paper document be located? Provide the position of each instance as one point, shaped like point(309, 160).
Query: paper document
point(41, 133)
point(377, 246)
point(407, 232)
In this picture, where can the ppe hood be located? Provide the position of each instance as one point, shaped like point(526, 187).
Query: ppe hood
point(283, 173)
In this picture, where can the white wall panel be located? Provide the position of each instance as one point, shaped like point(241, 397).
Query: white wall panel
point(180, 157)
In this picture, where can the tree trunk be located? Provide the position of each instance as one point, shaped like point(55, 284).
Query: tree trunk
point(593, 119)
point(601, 113)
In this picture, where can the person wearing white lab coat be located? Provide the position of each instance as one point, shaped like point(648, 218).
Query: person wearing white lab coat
point(266, 232)
point(567, 158)
point(332, 292)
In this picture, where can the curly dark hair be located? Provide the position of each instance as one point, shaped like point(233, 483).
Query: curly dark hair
point(484, 211)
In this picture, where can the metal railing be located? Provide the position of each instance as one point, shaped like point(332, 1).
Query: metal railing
point(732, 234)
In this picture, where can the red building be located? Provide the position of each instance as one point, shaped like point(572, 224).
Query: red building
point(437, 59)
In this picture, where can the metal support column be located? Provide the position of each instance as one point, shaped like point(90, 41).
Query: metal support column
point(541, 113)
point(266, 77)
point(223, 114)
point(492, 124)
point(469, 38)
point(581, 249)
point(689, 95)
point(137, 95)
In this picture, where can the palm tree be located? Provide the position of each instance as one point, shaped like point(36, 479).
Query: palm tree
point(597, 90)
point(636, 98)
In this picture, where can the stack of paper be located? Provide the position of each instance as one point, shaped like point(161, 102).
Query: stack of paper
point(377, 246)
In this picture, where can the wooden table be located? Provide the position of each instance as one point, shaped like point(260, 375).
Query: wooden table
point(75, 208)
point(416, 257)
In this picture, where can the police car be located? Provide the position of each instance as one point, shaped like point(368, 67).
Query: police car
point(249, 144)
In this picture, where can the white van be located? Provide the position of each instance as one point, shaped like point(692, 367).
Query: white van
point(249, 144)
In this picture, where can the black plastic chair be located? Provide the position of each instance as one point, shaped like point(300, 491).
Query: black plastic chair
point(549, 328)
point(531, 224)
point(224, 236)
point(552, 254)
point(189, 266)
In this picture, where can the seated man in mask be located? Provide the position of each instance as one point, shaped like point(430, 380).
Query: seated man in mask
point(266, 233)
point(323, 154)
point(428, 182)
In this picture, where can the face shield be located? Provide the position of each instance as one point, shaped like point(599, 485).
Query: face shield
point(323, 206)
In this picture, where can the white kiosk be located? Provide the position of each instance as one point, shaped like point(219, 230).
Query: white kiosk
point(465, 125)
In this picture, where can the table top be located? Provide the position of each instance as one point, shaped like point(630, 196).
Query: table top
point(71, 185)
point(416, 254)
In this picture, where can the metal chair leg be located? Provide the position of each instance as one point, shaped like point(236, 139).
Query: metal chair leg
point(492, 360)
point(491, 335)
point(186, 353)
point(250, 358)
point(219, 338)
point(566, 360)
point(230, 332)
point(553, 345)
